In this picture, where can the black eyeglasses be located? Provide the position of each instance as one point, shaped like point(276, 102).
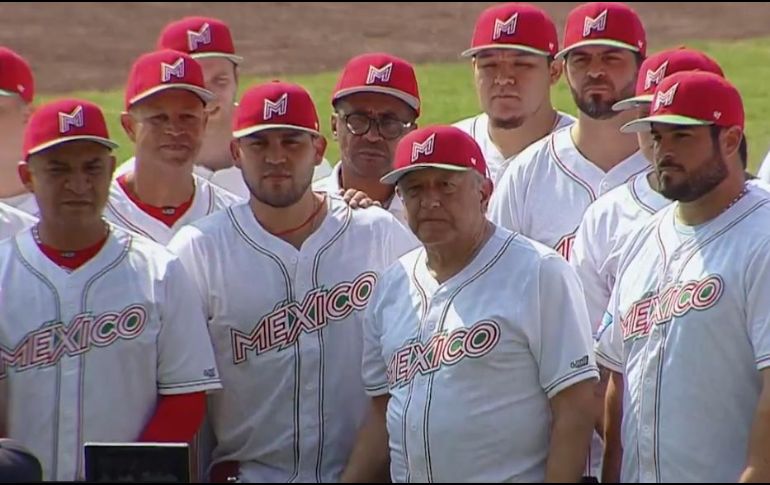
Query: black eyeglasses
point(389, 127)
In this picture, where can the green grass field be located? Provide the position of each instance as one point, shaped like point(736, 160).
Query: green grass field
point(448, 94)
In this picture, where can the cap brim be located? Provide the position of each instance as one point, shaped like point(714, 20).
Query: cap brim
point(207, 55)
point(593, 42)
point(3, 92)
point(204, 94)
point(391, 178)
point(634, 102)
point(644, 124)
point(515, 47)
point(406, 98)
point(66, 139)
point(242, 133)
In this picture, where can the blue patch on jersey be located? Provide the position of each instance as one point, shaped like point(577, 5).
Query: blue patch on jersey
point(606, 322)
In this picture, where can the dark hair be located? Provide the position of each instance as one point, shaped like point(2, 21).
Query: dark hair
point(742, 148)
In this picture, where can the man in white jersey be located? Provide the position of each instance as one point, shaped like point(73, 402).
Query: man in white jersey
point(475, 374)
point(17, 92)
point(376, 102)
point(102, 337)
point(687, 326)
point(166, 119)
point(209, 41)
point(13, 220)
point(512, 54)
point(545, 191)
point(288, 346)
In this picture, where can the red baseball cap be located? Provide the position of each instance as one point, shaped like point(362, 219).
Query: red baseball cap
point(518, 26)
point(656, 67)
point(15, 76)
point(444, 147)
point(693, 98)
point(200, 37)
point(379, 73)
point(64, 121)
point(604, 23)
point(165, 69)
point(275, 105)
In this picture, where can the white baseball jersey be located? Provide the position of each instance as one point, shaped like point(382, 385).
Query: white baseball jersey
point(84, 354)
point(545, 191)
point(124, 212)
point(470, 364)
point(287, 331)
point(333, 183)
point(478, 128)
point(25, 202)
point(13, 221)
point(607, 226)
point(688, 326)
point(764, 169)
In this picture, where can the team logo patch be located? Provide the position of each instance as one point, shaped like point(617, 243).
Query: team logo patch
point(67, 121)
point(424, 148)
point(507, 27)
point(665, 98)
point(278, 107)
point(170, 71)
point(442, 350)
point(46, 346)
point(564, 246)
point(280, 329)
point(673, 301)
point(199, 38)
point(653, 78)
point(595, 25)
point(381, 74)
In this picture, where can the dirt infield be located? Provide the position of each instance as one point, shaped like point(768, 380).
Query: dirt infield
point(91, 45)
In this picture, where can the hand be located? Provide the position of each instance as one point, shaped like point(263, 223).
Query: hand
point(357, 199)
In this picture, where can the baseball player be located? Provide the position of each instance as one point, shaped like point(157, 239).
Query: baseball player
point(102, 337)
point(376, 102)
point(210, 42)
point(512, 54)
point(687, 326)
point(478, 375)
point(608, 222)
point(17, 91)
point(165, 117)
point(544, 193)
point(13, 220)
point(290, 350)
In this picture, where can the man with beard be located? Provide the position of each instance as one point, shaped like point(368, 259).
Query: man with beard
point(376, 102)
point(512, 53)
point(687, 324)
point(290, 344)
point(545, 190)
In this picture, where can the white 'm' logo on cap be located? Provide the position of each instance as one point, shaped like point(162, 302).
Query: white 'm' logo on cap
point(665, 98)
point(656, 76)
point(424, 148)
point(598, 24)
point(505, 27)
point(278, 107)
point(201, 37)
point(68, 121)
point(167, 71)
point(381, 74)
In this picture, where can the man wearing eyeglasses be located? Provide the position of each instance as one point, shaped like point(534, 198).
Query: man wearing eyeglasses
point(376, 102)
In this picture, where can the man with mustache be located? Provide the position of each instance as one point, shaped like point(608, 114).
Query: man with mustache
point(687, 324)
point(376, 102)
point(166, 119)
point(210, 42)
point(512, 54)
point(545, 190)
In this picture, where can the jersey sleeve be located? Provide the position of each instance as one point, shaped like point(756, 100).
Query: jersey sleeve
point(561, 343)
point(757, 314)
point(507, 199)
point(184, 246)
point(185, 354)
point(374, 368)
point(589, 251)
